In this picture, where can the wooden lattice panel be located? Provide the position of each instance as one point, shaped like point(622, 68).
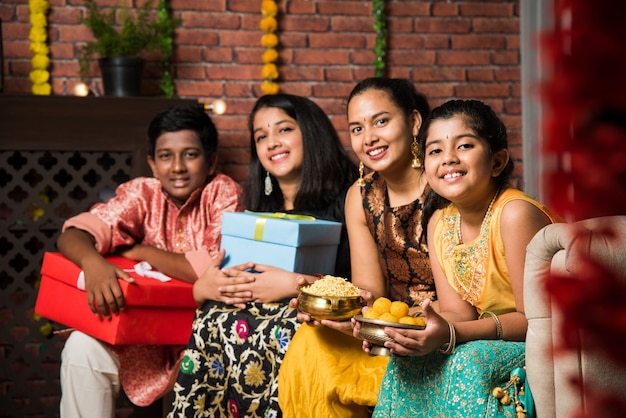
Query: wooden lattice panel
point(38, 191)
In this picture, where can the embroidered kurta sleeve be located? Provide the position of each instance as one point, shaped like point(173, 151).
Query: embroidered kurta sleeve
point(221, 195)
point(126, 212)
point(90, 223)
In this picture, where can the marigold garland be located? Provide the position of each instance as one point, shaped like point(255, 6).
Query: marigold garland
point(269, 40)
point(39, 76)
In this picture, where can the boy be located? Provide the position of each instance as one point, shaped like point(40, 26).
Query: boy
point(172, 221)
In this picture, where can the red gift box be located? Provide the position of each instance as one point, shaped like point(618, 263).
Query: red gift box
point(156, 312)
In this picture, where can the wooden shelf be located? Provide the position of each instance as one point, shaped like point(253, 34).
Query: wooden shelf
point(70, 123)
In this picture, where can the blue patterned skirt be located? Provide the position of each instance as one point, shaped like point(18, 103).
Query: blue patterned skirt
point(230, 367)
point(458, 385)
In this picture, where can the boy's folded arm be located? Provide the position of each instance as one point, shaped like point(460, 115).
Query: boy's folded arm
point(169, 263)
point(98, 232)
point(77, 245)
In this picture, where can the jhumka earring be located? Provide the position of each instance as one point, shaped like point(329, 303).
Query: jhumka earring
point(415, 151)
point(268, 184)
point(361, 180)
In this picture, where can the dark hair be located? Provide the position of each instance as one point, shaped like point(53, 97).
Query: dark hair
point(401, 91)
point(326, 167)
point(480, 118)
point(178, 118)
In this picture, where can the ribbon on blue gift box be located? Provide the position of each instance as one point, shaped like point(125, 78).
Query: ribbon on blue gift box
point(259, 227)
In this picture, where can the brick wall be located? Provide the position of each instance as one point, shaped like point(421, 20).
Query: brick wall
point(464, 49)
point(461, 49)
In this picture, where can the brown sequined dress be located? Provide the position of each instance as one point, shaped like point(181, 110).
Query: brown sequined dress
point(402, 251)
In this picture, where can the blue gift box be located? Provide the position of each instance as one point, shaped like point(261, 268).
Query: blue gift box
point(294, 243)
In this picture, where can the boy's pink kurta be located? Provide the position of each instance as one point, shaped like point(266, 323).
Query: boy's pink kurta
point(141, 213)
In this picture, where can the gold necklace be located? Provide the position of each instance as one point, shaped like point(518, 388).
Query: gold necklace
point(483, 224)
point(469, 261)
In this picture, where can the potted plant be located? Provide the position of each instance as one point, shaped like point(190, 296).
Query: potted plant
point(121, 37)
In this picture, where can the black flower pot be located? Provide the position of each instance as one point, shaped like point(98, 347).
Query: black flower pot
point(121, 76)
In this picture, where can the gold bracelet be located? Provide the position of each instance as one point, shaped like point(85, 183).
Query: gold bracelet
point(448, 348)
point(496, 320)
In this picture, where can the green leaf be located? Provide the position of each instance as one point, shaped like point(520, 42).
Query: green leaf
point(380, 26)
point(135, 32)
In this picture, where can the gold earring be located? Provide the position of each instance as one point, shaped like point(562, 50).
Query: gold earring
point(361, 180)
point(415, 151)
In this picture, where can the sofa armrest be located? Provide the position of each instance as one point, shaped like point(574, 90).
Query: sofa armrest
point(544, 253)
point(557, 249)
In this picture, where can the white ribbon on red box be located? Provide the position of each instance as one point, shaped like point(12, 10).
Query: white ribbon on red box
point(142, 268)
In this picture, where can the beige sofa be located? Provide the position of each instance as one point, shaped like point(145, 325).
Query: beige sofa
point(555, 249)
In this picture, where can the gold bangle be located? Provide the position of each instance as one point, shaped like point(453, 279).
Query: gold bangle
point(448, 348)
point(496, 320)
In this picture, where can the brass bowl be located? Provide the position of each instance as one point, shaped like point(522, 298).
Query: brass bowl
point(336, 308)
point(373, 331)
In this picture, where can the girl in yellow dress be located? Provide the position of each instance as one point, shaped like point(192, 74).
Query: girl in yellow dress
point(477, 239)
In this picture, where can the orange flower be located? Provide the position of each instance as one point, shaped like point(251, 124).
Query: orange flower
point(268, 24)
point(269, 8)
point(270, 55)
point(269, 71)
point(270, 87)
point(269, 40)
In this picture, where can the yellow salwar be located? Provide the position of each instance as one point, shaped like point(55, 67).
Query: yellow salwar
point(345, 384)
